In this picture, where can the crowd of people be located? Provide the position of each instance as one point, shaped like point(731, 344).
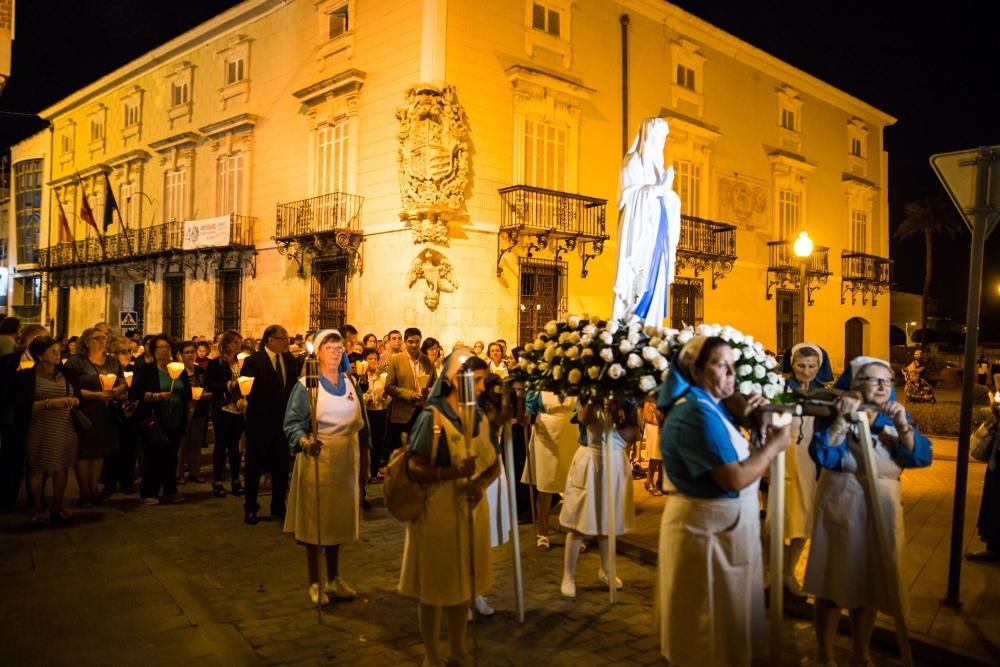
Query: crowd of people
point(319, 417)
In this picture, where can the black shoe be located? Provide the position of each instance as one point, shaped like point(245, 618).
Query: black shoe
point(238, 490)
point(278, 512)
point(218, 490)
point(250, 518)
point(986, 556)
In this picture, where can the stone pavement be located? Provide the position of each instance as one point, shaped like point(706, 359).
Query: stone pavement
point(190, 584)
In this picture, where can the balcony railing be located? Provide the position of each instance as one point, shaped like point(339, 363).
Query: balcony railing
point(783, 268)
point(165, 238)
point(861, 273)
point(561, 221)
point(706, 245)
point(320, 225)
point(329, 213)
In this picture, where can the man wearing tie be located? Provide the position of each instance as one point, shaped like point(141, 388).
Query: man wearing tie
point(410, 376)
point(274, 370)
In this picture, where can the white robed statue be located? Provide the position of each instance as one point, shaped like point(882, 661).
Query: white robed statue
point(649, 226)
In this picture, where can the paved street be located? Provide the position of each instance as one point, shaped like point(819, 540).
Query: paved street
point(191, 584)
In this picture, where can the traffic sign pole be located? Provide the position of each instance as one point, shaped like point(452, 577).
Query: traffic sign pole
point(984, 163)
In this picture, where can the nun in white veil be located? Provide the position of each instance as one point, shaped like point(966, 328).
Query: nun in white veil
point(649, 226)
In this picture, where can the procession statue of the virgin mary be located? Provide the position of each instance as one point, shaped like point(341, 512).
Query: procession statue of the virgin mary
point(649, 226)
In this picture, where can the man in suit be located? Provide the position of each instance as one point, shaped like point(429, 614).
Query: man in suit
point(407, 369)
point(274, 370)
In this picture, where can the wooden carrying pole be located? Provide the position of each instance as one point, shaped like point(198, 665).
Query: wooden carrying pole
point(776, 543)
point(312, 385)
point(609, 501)
point(869, 479)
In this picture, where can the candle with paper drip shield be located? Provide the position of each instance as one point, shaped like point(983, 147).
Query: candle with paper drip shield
point(240, 358)
point(466, 385)
point(246, 385)
point(107, 381)
point(128, 378)
point(174, 370)
point(196, 393)
point(26, 364)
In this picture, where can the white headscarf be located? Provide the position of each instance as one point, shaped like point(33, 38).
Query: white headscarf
point(860, 362)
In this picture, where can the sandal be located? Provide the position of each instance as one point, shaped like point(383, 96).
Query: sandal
point(542, 543)
point(651, 489)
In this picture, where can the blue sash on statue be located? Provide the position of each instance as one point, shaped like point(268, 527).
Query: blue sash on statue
point(661, 250)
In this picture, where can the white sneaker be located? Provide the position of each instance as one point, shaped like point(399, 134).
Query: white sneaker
point(339, 589)
point(482, 607)
point(603, 578)
point(314, 594)
point(568, 589)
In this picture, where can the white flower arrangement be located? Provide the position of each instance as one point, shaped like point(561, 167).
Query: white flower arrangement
point(597, 359)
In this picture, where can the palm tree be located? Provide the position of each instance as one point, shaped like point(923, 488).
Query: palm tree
point(928, 217)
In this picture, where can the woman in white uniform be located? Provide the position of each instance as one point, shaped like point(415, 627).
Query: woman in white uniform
point(343, 431)
point(808, 368)
point(436, 568)
point(551, 448)
point(710, 596)
point(844, 569)
point(585, 506)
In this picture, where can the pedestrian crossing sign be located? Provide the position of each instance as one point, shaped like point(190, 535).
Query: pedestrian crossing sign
point(128, 319)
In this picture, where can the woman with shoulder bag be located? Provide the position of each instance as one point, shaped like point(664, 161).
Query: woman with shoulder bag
point(161, 416)
point(99, 442)
point(42, 404)
point(989, 507)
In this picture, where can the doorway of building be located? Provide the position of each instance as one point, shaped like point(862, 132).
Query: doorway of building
point(854, 338)
point(328, 296)
point(542, 296)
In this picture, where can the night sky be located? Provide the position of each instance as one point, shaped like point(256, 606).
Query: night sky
point(936, 71)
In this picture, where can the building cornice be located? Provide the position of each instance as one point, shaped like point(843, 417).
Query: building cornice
point(715, 38)
point(348, 81)
point(239, 123)
point(222, 24)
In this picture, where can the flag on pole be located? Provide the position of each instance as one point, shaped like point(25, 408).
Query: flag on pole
point(64, 231)
point(110, 206)
point(87, 214)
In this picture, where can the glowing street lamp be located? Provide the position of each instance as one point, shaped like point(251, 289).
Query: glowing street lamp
point(803, 248)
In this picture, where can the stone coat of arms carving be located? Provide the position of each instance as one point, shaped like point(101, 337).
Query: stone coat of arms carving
point(437, 274)
point(433, 160)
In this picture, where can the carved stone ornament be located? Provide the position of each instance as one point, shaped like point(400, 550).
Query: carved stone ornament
point(437, 273)
point(433, 160)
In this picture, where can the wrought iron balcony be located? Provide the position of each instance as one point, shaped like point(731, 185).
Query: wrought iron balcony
point(866, 274)
point(549, 219)
point(783, 268)
point(319, 225)
point(706, 245)
point(146, 243)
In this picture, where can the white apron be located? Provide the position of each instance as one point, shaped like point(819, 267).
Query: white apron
point(800, 482)
point(844, 563)
point(584, 503)
point(436, 550)
point(710, 594)
point(553, 444)
point(340, 420)
point(498, 500)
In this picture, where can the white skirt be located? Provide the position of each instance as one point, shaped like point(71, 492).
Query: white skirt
point(844, 562)
point(710, 583)
point(339, 495)
point(551, 449)
point(498, 500)
point(584, 503)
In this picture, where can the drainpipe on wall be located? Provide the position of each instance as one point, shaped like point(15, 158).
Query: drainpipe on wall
point(624, 20)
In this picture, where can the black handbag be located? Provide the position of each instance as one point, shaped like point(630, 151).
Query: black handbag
point(81, 422)
point(153, 434)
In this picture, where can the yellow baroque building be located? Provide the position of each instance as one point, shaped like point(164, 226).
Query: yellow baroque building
point(451, 165)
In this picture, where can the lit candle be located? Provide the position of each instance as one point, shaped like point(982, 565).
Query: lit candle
point(362, 367)
point(996, 397)
point(240, 358)
point(107, 381)
point(245, 383)
point(26, 364)
point(196, 393)
point(309, 347)
point(174, 369)
point(128, 378)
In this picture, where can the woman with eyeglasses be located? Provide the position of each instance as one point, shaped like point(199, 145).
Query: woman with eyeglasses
point(99, 442)
point(845, 569)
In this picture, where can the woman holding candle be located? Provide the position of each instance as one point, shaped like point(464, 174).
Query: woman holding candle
point(120, 469)
point(372, 384)
point(100, 381)
point(436, 568)
point(43, 396)
point(197, 423)
point(340, 443)
point(227, 417)
point(163, 392)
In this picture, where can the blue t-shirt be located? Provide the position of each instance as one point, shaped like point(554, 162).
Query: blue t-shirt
point(695, 440)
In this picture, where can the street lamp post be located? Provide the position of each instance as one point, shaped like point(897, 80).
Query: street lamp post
point(803, 248)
